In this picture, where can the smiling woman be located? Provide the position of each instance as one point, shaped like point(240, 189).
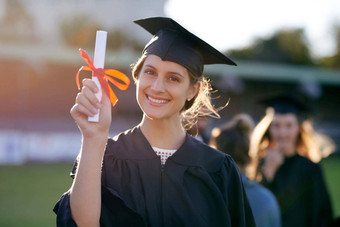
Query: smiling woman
point(155, 174)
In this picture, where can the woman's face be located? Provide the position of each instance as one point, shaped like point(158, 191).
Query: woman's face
point(284, 132)
point(163, 87)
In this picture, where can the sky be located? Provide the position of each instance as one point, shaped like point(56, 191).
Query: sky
point(227, 24)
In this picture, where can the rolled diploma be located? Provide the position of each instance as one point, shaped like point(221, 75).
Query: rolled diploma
point(98, 62)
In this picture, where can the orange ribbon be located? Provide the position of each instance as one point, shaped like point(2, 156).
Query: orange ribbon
point(103, 76)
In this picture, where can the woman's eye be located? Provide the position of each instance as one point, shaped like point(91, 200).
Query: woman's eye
point(289, 125)
point(149, 72)
point(174, 78)
point(274, 125)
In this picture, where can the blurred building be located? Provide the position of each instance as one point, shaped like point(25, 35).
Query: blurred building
point(42, 19)
point(39, 41)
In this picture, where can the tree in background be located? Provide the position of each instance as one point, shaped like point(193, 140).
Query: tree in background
point(118, 40)
point(285, 46)
point(17, 25)
point(333, 61)
point(79, 31)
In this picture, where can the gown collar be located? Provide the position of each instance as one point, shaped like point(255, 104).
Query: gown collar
point(191, 153)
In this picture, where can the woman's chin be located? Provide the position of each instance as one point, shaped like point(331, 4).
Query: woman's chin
point(288, 152)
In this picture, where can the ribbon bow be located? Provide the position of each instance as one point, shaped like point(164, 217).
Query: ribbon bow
point(103, 76)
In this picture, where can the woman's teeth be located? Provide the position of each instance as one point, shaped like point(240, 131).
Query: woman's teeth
point(157, 100)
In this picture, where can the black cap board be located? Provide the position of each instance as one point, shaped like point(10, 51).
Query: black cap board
point(172, 42)
point(287, 103)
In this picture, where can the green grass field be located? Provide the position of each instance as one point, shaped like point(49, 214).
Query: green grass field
point(28, 193)
point(331, 169)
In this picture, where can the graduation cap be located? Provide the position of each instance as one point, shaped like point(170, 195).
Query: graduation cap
point(172, 42)
point(287, 103)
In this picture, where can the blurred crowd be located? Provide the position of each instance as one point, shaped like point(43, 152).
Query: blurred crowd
point(278, 159)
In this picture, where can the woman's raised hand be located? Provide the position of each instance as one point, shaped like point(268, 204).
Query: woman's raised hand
point(86, 105)
point(273, 161)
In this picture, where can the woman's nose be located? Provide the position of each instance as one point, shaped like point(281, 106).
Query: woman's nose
point(283, 132)
point(158, 84)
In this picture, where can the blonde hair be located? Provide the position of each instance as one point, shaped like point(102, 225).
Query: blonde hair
point(310, 144)
point(199, 106)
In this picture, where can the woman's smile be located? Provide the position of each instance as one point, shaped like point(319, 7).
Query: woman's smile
point(156, 100)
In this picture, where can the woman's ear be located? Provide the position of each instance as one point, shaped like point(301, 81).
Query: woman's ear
point(193, 91)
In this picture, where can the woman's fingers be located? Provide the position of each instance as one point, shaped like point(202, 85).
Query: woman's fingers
point(86, 100)
point(90, 89)
point(90, 84)
point(87, 104)
point(83, 110)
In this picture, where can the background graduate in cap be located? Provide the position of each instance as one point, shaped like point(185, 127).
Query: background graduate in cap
point(155, 174)
point(286, 150)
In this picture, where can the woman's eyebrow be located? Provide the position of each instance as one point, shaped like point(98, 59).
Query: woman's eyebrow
point(176, 73)
point(150, 66)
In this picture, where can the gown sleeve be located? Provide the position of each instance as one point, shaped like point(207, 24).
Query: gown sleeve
point(62, 208)
point(63, 211)
point(234, 195)
point(114, 211)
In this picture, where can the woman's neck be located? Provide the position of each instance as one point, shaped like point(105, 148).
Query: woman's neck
point(163, 133)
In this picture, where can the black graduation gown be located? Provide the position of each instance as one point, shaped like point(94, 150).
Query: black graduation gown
point(301, 193)
point(198, 186)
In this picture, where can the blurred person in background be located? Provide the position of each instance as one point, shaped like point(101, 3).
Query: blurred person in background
point(233, 138)
point(286, 150)
point(155, 174)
